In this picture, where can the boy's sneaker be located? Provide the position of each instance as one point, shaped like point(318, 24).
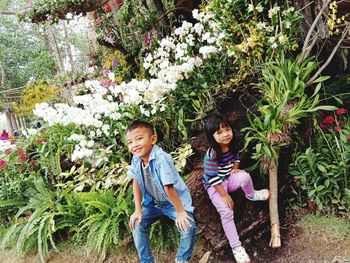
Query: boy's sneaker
point(181, 261)
point(240, 255)
point(260, 195)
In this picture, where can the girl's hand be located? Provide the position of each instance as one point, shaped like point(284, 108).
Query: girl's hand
point(182, 221)
point(234, 170)
point(137, 215)
point(227, 200)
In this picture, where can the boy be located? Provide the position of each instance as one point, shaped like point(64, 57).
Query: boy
point(158, 191)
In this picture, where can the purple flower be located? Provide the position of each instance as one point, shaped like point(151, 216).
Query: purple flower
point(105, 71)
point(115, 62)
point(148, 38)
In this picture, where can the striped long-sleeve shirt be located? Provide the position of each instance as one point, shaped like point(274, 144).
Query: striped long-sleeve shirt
point(215, 172)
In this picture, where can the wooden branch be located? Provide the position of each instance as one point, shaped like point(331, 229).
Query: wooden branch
point(8, 13)
point(329, 58)
point(306, 45)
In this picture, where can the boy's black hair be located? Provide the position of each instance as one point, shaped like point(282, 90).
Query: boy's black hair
point(212, 125)
point(140, 124)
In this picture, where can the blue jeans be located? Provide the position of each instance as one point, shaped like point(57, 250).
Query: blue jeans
point(149, 215)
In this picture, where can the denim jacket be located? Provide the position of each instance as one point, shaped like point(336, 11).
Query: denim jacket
point(163, 172)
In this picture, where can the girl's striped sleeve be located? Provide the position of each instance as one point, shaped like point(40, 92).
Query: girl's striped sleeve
point(211, 167)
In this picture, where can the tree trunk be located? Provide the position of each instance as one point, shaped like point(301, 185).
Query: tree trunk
point(2, 74)
point(273, 206)
point(8, 119)
point(54, 46)
point(69, 48)
point(91, 34)
point(250, 217)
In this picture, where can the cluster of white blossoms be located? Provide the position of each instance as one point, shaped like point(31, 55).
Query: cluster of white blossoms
point(174, 60)
point(178, 54)
point(6, 145)
point(83, 147)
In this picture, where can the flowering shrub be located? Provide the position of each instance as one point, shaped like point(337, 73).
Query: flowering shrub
point(46, 10)
point(36, 92)
point(255, 32)
point(321, 172)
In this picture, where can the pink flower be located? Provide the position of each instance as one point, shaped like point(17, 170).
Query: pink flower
point(341, 111)
point(337, 128)
point(22, 156)
point(328, 120)
point(2, 164)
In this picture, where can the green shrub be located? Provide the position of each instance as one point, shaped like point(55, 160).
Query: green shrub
point(321, 172)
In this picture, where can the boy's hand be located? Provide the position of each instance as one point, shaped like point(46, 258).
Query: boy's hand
point(137, 215)
point(227, 200)
point(182, 221)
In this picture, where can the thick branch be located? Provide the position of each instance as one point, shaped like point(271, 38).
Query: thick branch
point(311, 80)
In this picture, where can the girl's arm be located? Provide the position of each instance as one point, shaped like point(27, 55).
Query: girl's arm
point(224, 195)
point(183, 219)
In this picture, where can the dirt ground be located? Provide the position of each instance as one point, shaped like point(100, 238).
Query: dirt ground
point(303, 241)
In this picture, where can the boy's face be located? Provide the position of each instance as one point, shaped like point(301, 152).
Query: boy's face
point(140, 142)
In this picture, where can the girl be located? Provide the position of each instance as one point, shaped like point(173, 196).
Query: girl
point(221, 176)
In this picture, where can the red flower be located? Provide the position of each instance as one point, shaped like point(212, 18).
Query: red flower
point(341, 111)
point(107, 8)
point(22, 156)
point(323, 126)
point(296, 181)
point(2, 164)
point(337, 128)
point(45, 140)
point(328, 120)
point(341, 123)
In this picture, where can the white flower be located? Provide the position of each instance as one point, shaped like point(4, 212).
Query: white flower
point(274, 45)
point(111, 76)
point(273, 11)
point(250, 8)
point(259, 8)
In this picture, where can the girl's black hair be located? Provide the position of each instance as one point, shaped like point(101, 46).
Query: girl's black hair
point(213, 125)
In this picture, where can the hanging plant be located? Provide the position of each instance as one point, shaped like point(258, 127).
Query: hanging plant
point(52, 11)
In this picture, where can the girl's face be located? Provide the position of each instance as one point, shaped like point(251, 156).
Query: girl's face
point(223, 135)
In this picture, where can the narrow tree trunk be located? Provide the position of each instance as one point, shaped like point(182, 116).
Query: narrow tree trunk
point(273, 205)
point(91, 34)
point(2, 74)
point(54, 46)
point(69, 48)
point(9, 121)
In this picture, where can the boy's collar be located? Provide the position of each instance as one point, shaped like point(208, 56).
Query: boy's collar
point(152, 154)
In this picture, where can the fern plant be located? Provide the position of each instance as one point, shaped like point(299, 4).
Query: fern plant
point(36, 223)
point(163, 235)
point(107, 219)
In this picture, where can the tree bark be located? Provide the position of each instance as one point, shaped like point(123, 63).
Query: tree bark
point(2, 74)
point(69, 48)
point(273, 206)
point(250, 217)
point(54, 46)
point(91, 34)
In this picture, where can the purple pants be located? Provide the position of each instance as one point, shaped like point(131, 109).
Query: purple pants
point(238, 180)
